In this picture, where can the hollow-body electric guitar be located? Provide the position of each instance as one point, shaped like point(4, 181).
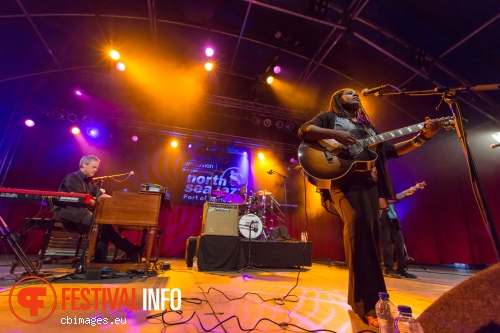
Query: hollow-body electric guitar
point(327, 159)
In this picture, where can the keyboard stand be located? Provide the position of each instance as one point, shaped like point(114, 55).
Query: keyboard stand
point(31, 270)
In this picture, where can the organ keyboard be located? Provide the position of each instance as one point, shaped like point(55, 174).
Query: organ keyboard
point(58, 198)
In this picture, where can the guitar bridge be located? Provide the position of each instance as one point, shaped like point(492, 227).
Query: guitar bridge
point(328, 155)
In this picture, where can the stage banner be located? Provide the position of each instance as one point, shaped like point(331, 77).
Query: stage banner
point(210, 181)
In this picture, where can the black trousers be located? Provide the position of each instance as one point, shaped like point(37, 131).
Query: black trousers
point(357, 202)
point(107, 234)
point(392, 257)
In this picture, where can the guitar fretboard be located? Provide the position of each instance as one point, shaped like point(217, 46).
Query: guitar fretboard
point(390, 135)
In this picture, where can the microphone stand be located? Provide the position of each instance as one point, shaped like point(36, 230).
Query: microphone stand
point(284, 190)
point(250, 264)
point(450, 95)
point(451, 100)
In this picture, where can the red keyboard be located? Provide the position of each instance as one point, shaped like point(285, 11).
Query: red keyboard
point(58, 198)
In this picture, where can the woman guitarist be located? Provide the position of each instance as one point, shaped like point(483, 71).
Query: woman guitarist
point(357, 198)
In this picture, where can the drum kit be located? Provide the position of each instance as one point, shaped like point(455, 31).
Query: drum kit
point(254, 210)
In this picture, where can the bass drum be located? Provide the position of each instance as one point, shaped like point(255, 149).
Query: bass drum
point(251, 226)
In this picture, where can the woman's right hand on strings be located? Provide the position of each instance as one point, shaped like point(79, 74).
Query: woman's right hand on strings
point(344, 138)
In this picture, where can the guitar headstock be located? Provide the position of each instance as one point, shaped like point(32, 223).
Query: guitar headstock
point(420, 186)
point(447, 123)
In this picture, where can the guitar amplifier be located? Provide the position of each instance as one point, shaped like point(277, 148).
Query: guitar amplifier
point(220, 219)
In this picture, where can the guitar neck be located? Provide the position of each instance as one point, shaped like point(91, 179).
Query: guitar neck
point(401, 195)
point(390, 135)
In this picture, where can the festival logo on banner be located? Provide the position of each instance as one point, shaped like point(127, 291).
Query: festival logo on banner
point(203, 178)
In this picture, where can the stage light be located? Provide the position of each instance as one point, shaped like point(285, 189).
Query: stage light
point(75, 130)
point(72, 117)
point(209, 51)
point(318, 8)
point(115, 55)
point(260, 156)
point(57, 115)
point(270, 79)
point(93, 132)
point(29, 123)
point(190, 145)
point(267, 122)
point(209, 66)
point(277, 69)
point(135, 138)
point(245, 153)
point(255, 120)
point(78, 92)
point(120, 66)
point(279, 124)
point(174, 144)
point(289, 126)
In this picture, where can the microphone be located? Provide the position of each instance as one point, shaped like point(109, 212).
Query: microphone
point(366, 91)
point(495, 145)
point(112, 176)
point(270, 172)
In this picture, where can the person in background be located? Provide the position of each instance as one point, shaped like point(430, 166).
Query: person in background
point(393, 249)
point(81, 182)
point(357, 198)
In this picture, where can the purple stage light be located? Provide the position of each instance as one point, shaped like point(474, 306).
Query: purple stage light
point(29, 123)
point(209, 51)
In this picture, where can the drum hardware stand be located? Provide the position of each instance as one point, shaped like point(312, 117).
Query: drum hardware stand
point(250, 264)
point(271, 210)
point(284, 191)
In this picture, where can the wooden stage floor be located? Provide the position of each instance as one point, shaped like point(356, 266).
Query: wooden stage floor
point(313, 298)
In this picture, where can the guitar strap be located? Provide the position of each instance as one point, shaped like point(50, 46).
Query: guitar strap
point(326, 199)
point(327, 202)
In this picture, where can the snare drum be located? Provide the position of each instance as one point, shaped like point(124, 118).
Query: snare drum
point(251, 226)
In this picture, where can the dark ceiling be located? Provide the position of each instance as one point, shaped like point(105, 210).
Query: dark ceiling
point(51, 47)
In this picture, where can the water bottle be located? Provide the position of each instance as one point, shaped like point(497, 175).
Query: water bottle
point(405, 323)
point(386, 313)
point(195, 264)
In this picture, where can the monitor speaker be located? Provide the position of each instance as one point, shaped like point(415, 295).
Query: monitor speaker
point(471, 306)
point(220, 219)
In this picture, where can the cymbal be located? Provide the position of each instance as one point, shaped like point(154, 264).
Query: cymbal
point(219, 193)
point(233, 198)
point(264, 192)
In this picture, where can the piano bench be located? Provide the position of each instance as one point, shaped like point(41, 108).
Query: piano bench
point(62, 242)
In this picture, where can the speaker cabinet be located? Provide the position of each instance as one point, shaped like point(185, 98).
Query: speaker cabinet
point(220, 219)
point(471, 306)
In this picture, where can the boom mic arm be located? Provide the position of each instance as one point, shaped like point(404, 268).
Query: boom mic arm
point(113, 176)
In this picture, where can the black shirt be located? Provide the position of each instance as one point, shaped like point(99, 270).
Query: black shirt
point(77, 182)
